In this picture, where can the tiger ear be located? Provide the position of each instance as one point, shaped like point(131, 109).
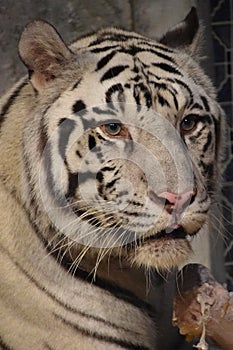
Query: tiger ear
point(43, 52)
point(185, 35)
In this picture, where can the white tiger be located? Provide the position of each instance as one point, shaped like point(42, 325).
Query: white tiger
point(109, 156)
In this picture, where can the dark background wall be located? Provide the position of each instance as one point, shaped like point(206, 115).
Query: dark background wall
point(222, 34)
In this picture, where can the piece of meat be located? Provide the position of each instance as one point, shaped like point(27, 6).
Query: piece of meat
point(203, 308)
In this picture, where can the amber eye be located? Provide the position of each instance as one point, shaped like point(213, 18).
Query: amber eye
point(113, 129)
point(189, 123)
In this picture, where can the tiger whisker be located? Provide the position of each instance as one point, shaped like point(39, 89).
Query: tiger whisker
point(103, 253)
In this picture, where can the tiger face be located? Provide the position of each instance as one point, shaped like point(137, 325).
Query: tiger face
point(128, 144)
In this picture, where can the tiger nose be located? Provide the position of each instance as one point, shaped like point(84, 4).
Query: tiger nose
point(172, 201)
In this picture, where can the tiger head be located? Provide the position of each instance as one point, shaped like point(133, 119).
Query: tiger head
point(123, 142)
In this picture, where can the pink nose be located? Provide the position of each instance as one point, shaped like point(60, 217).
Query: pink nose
point(177, 202)
point(172, 201)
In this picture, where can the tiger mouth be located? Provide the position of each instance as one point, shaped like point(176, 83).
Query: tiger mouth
point(178, 233)
point(165, 235)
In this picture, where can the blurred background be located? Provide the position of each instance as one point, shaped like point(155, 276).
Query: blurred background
point(74, 18)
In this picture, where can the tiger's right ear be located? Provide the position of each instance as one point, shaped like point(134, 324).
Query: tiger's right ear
point(43, 52)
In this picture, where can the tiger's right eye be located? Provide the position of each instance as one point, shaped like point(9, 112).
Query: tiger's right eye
point(113, 129)
point(116, 130)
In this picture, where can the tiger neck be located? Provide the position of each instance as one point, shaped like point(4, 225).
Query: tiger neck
point(111, 272)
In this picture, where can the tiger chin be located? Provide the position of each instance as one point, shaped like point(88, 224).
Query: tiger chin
point(110, 154)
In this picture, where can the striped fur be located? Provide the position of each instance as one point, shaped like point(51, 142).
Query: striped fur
point(75, 242)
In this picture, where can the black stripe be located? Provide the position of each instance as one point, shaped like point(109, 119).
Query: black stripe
point(138, 204)
point(113, 72)
point(11, 100)
point(161, 86)
point(196, 106)
point(47, 168)
point(43, 137)
point(103, 338)
point(105, 48)
point(90, 218)
point(160, 54)
point(208, 169)
point(175, 100)
point(162, 101)
point(111, 91)
point(75, 179)
point(205, 103)
point(66, 126)
point(75, 85)
point(138, 214)
point(202, 118)
point(180, 82)
point(100, 111)
point(136, 97)
point(147, 94)
point(195, 137)
point(108, 168)
point(99, 176)
point(166, 67)
point(218, 133)
point(50, 181)
point(203, 201)
point(79, 108)
point(156, 46)
point(104, 61)
point(91, 142)
point(73, 185)
point(78, 153)
point(4, 346)
point(133, 50)
point(111, 183)
point(209, 140)
point(166, 88)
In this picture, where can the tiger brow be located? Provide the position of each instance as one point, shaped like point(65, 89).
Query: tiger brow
point(98, 110)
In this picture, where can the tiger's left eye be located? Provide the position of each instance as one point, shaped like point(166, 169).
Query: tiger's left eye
point(113, 129)
point(188, 123)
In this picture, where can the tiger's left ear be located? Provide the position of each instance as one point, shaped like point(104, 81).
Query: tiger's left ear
point(185, 35)
point(43, 52)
